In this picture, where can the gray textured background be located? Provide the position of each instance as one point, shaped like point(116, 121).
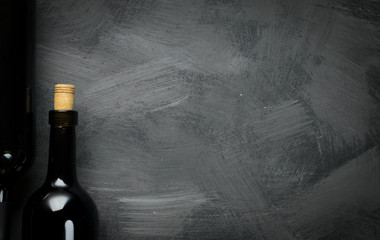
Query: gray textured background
point(218, 119)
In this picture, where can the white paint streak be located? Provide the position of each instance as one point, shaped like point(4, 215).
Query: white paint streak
point(156, 213)
point(147, 87)
point(173, 104)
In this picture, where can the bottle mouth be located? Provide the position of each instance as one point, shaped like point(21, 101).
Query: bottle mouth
point(63, 117)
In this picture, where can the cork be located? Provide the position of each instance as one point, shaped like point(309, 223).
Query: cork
point(64, 97)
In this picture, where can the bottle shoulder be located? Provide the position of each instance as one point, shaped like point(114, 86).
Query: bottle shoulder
point(59, 200)
point(50, 211)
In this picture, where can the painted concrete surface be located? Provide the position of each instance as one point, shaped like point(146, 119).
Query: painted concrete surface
point(218, 119)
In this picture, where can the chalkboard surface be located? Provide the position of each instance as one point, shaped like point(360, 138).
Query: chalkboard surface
point(217, 119)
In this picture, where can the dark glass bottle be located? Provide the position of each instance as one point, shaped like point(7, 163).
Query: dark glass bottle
point(17, 45)
point(61, 209)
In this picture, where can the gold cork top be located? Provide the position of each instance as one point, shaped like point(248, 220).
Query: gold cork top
point(64, 97)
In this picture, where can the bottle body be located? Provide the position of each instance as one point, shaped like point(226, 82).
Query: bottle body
point(61, 209)
point(66, 213)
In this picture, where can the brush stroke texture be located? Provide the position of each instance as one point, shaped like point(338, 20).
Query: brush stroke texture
point(219, 119)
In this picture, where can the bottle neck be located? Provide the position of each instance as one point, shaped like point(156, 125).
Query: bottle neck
point(62, 162)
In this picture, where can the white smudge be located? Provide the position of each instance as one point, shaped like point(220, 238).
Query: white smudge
point(157, 213)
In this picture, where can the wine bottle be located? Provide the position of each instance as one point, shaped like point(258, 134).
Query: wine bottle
point(61, 209)
point(17, 47)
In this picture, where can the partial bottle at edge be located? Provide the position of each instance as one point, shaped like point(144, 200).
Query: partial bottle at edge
point(17, 44)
